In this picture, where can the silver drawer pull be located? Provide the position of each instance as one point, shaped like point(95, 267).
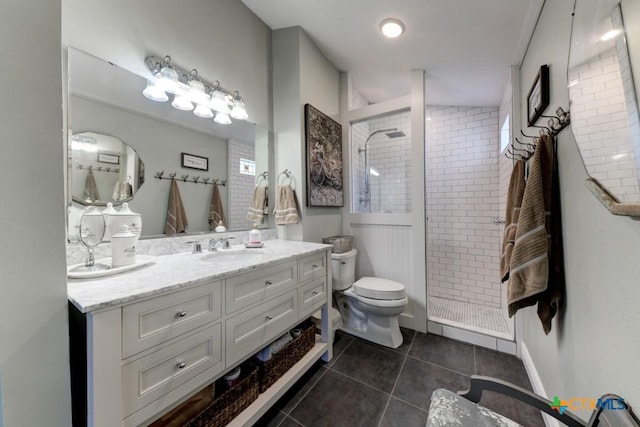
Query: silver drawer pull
point(316, 292)
point(314, 266)
point(181, 314)
point(181, 365)
point(269, 317)
point(268, 283)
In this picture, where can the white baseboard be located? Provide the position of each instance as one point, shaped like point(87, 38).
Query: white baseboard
point(536, 382)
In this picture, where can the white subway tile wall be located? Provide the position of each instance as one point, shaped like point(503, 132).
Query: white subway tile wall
point(240, 185)
point(389, 165)
point(462, 195)
point(599, 89)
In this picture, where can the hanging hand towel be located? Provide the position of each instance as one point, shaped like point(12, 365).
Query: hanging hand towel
point(514, 202)
point(536, 271)
point(176, 218)
point(115, 196)
point(286, 210)
point(258, 206)
point(126, 191)
point(216, 211)
point(90, 188)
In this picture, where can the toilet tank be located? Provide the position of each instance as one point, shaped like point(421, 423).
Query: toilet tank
point(343, 270)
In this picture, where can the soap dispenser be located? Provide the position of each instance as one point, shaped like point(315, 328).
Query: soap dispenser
point(220, 228)
point(254, 237)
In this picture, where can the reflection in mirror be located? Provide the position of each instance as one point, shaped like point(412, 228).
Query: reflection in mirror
point(102, 169)
point(604, 110)
point(106, 100)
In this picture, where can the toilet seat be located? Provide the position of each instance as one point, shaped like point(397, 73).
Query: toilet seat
point(375, 288)
point(381, 303)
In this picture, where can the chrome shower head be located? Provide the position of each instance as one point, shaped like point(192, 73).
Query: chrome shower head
point(395, 134)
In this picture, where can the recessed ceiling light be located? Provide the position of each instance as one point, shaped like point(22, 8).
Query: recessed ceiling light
point(392, 28)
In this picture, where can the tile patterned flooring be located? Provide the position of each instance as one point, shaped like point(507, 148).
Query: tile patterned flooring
point(368, 385)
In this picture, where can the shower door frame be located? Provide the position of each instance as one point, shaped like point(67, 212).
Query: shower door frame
point(412, 224)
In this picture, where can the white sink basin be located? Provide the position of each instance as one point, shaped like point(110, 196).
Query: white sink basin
point(240, 254)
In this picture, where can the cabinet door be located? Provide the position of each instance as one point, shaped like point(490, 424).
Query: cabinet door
point(154, 321)
point(245, 289)
point(311, 296)
point(248, 331)
point(312, 267)
point(156, 374)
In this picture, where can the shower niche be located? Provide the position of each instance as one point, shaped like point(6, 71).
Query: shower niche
point(381, 164)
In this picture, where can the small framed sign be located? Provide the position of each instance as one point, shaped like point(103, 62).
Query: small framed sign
point(192, 161)
point(113, 159)
point(538, 96)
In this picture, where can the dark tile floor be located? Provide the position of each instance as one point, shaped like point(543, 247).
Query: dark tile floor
point(368, 385)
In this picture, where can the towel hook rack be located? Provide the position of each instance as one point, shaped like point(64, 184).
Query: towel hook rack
point(194, 180)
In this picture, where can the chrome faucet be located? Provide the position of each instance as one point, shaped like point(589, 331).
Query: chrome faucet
point(222, 242)
point(197, 248)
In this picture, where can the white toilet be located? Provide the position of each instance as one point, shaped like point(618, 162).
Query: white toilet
point(369, 307)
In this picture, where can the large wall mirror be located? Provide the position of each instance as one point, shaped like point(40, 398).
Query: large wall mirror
point(603, 65)
point(119, 142)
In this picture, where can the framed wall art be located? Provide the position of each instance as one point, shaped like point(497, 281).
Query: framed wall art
point(192, 161)
point(538, 96)
point(323, 137)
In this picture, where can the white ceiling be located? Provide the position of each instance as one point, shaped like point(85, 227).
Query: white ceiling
point(465, 46)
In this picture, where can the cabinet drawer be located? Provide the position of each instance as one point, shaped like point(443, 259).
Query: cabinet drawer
point(250, 330)
point(311, 267)
point(245, 289)
point(152, 322)
point(311, 296)
point(156, 374)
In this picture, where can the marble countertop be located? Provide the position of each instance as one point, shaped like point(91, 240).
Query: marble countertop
point(173, 272)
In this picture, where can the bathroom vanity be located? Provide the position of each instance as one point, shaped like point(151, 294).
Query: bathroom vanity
point(144, 341)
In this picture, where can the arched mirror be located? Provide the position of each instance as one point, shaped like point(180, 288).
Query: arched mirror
point(603, 100)
point(103, 169)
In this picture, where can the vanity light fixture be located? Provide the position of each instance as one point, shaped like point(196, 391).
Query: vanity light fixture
point(392, 28)
point(191, 92)
point(609, 35)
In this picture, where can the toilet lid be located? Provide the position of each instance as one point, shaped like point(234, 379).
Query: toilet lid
point(377, 288)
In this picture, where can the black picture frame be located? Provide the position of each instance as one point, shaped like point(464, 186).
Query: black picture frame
point(538, 96)
point(191, 161)
point(323, 137)
point(110, 158)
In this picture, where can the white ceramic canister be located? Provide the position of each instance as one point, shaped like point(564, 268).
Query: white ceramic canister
point(123, 247)
point(126, 216)
point(108, 213)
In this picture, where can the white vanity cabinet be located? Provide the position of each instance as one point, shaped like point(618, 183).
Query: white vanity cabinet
point(137, 359)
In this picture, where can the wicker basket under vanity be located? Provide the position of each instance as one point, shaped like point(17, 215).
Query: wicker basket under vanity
point(203, 410)
point(271, 370)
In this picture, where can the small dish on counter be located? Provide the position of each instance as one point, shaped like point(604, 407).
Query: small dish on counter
point(74, 271)
point(254, 245)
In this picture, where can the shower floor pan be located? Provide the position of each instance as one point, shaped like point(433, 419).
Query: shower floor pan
point(473, 317)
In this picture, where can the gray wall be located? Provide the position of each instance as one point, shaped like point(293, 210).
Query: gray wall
point(223, 39)
point(34, 356)
point(593, 347)
point(302, 74)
